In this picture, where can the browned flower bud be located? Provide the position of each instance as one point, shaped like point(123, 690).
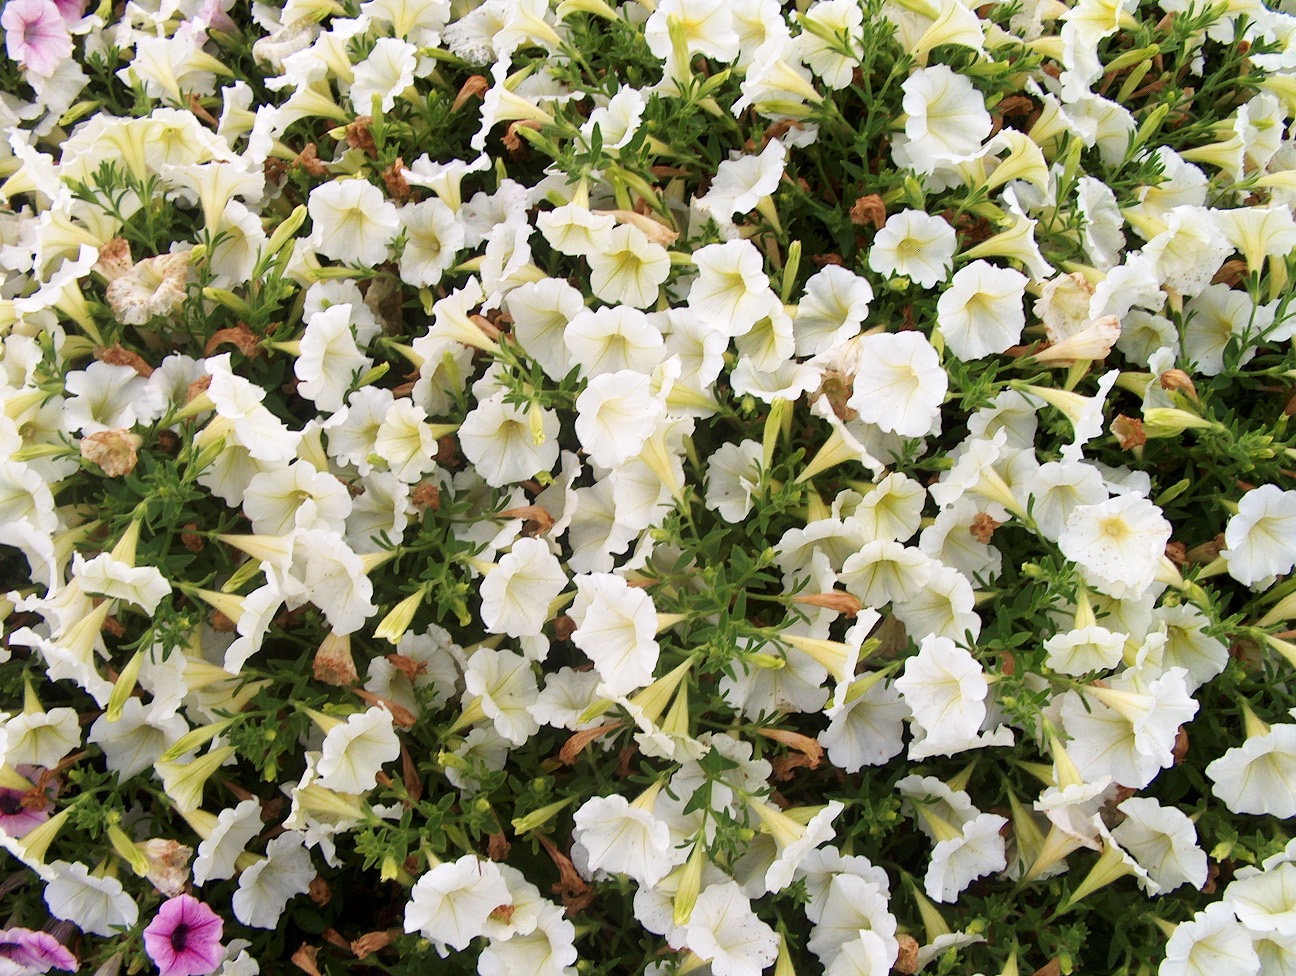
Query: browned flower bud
point(841, 602)
point(1128, 432)
point(333, 662)
point(868, 210)
point(114, 259)
point(983, 527)
point(371, 942)
point(168, 864)
point(1180, 382)
point(319, 891)
point(907, 960)
point(474, 87)
point(115, 451)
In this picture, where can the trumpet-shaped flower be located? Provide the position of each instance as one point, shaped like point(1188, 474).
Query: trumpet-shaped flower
point(184, 938)
point(1164, 841)
point(356, 750)
point(1213, 943)
point(724, 930)
point(624, 838)
point(1260, 536)
point(353, 222)
point(615, 627)
point(975, 849)
point(831, 311)
point(451, 903)
point(947, 117)
point(516, 593)
point(1118, 544)
point(41, 738)
point(916, 245)
point(36, 35)
point(503, 686)
point(225, 840)
point(630, 270)
point(609, 339)
point(504, 444)
point(899, 383)
point(731, 288)
point(616, 414)
point(945, 688)
point(981, 313)
point(95, 905)
point(266, 887)
point(1259, 776)
point(329, 359)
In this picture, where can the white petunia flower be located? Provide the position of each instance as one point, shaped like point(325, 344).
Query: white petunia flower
point(506, 443)
point(1260, 536)
point(616, 413)
point(94, 905)
point(899, 383)
point(329, 359)
point(731, 288)
point(516, 594)
point(630, 270)
point(1118, 544)
point(916, 245)
point(1259, 776)
point(945, 687)
point(981, 313)
point(451, 903)
point(831, 311)
point(353, 221)
point(725, 931)
point(945, 117)
point(1164, 841)
point(616, 627)
point(266, 887)
point(501, 686)
point(355, 751)
point(626, 838)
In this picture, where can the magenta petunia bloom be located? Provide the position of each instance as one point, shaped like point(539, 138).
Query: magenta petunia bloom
point(184, 938)
point(37, 951)
point(18, 820)
point(71, 10)
point(36, 35)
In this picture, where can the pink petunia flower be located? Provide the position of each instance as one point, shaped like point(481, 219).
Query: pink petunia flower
point(17, 818)
point(184, 938)
point(71, 10)
point(36, 35)
point(35, 951)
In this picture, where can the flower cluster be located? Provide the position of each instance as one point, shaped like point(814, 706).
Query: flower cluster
point(664, 486)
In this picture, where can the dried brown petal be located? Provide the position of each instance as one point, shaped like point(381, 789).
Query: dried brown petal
point(1180, 382)
point(474, 87)
point(333, 663)
point(371, 942)
point(358, 136)
point(1128, 432)
point(319, 891)
point(401, 716)
point(869, 209)
point(843, 603)
point(579, 740)
point(304, 958)
point(394, 179)
point(983, 527)
point(114, 259)
point(907, 960)
point(115, 451)
point(119, 356)
point(240, 337)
